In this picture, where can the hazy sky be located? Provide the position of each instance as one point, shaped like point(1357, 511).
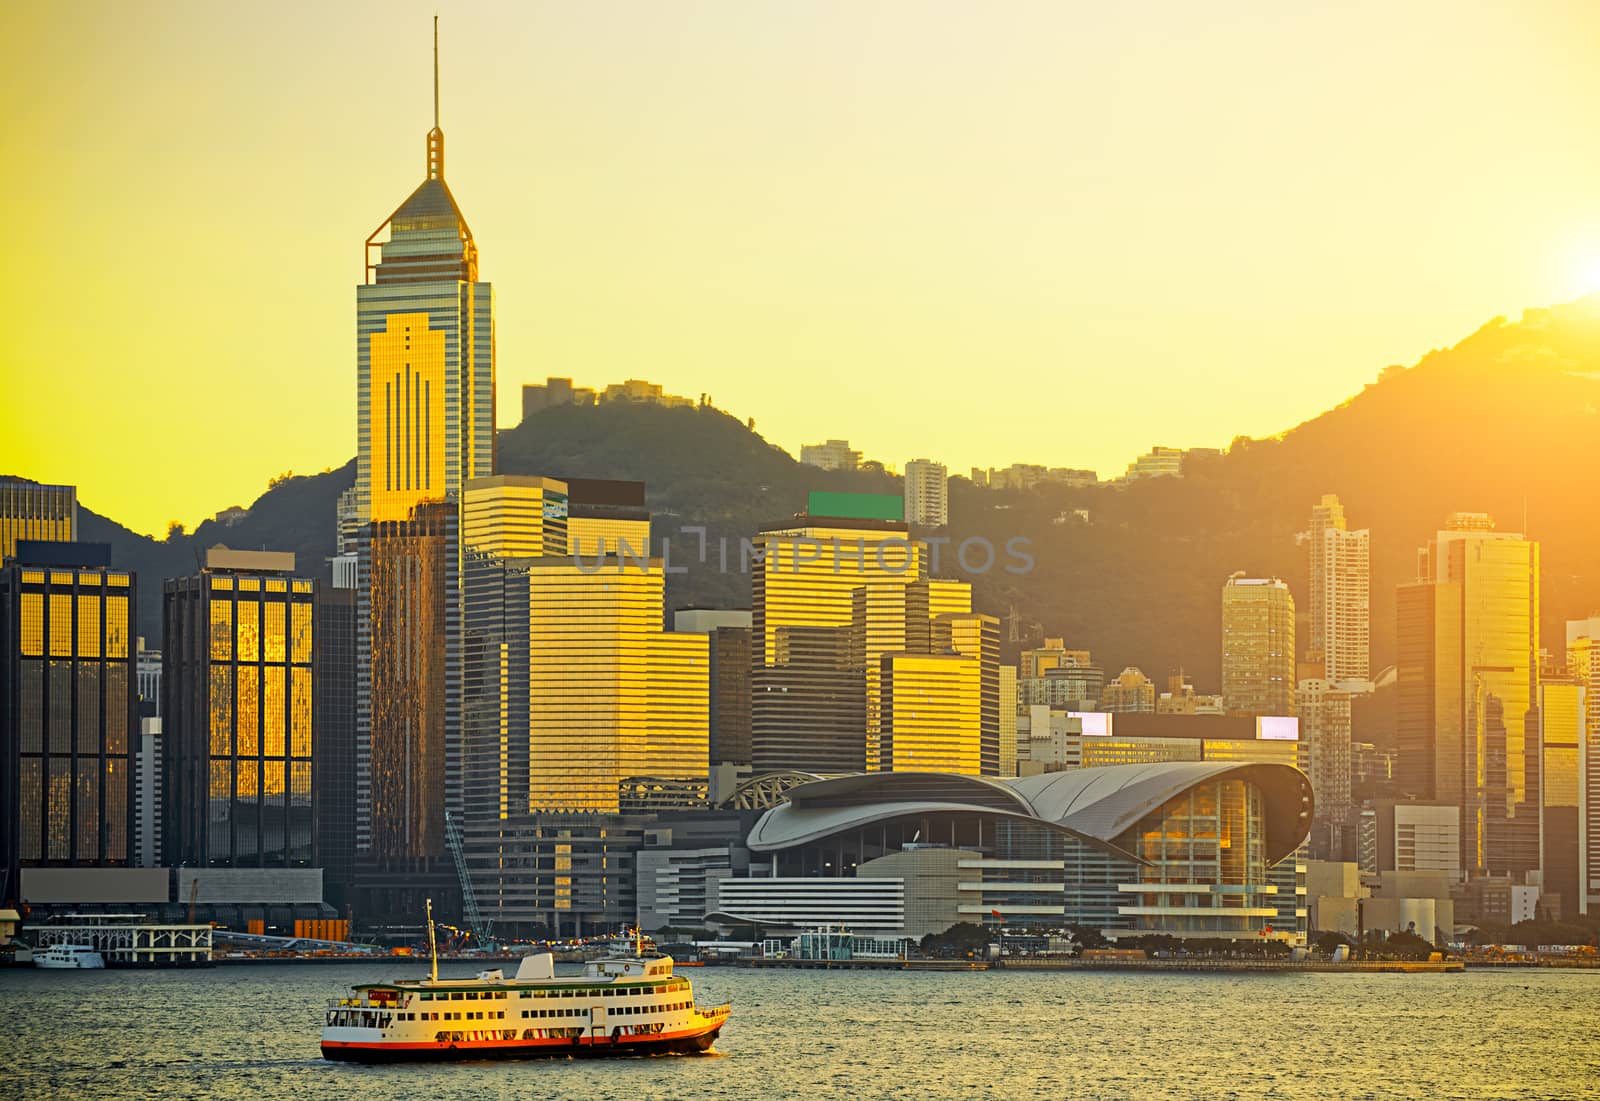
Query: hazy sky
point(980, 232)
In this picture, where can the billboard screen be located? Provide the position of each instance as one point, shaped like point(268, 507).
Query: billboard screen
point(1277, 728)
point(1097, 723)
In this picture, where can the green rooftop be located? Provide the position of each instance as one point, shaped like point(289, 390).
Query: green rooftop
point(857, 506)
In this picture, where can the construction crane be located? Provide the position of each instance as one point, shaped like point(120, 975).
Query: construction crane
point(469, 901)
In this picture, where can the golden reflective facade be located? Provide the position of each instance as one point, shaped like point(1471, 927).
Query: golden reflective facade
point(809, 688)
point(890, 617)
point(29, 510)
point(1100, 752)
point(68, 716)
point(512, 516)
point(978, 637)
point(807, 574)
point(1258, 647)
point(1583, 664)
point(611, 696)
point(592, 536)
point(407, 428)
point(238, 737)
point(1561, 723)
point(932, 712)
point(425, 362)
point(1561, 730)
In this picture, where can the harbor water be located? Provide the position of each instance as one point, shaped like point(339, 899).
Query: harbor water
point(251, 1033)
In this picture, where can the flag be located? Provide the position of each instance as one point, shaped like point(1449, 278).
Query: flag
point(997, 914)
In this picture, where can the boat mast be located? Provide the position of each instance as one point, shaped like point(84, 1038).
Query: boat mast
point(433, 944)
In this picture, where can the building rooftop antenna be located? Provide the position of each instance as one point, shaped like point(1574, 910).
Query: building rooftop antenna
point(436, 135)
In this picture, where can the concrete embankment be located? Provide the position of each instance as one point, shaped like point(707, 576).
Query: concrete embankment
point(1408, 967)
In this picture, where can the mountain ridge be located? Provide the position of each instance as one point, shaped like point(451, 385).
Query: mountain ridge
point(1500, 422)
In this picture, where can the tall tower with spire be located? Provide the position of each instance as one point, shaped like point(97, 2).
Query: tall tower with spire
point(424, 427)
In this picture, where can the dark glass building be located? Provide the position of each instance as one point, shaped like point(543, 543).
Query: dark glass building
point(237, 685)
point(408, 717)
point(730, 695)
point(70, 710)
point(333, 744)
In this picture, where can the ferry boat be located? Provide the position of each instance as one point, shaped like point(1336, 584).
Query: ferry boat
point(625, 1005)
point(68, 957)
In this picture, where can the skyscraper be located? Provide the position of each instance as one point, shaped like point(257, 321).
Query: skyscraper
point(425, 421)
point(1340, 592)
point(976, 636)
point(1006, 679)
point(1559, 732)
point(1258, 651)
point(1325, 734)
point(333, 746)
point(1467, 669)
point(611, 696)
point(68, 710)
point(808, 690)
point(29, 510)
point(927, 493)
point(1583, 662)
point(889, 617)
point(238, 650)
point(573, 688)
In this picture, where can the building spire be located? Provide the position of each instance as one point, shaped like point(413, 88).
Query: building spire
point(436, 135)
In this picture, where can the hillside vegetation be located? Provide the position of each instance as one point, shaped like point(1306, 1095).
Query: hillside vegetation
point(1506, 422)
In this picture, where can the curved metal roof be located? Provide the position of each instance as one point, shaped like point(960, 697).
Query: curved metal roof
point(767, 789)
point(1107, 802)
point(1097, 805)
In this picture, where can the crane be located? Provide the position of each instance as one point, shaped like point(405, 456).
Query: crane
point(469, 901)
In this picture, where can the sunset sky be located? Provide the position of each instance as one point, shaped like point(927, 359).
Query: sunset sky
point(982, 233)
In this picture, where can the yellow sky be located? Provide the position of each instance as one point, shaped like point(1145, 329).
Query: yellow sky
point(984, 233)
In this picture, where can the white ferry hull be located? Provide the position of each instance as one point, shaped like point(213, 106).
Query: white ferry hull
point(626, 1006)
point(368, 1048)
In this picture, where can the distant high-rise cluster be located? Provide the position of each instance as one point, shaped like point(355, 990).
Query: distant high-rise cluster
point(833, 455)
point(843, 604)
point(1027, 475)
point(556, 392)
